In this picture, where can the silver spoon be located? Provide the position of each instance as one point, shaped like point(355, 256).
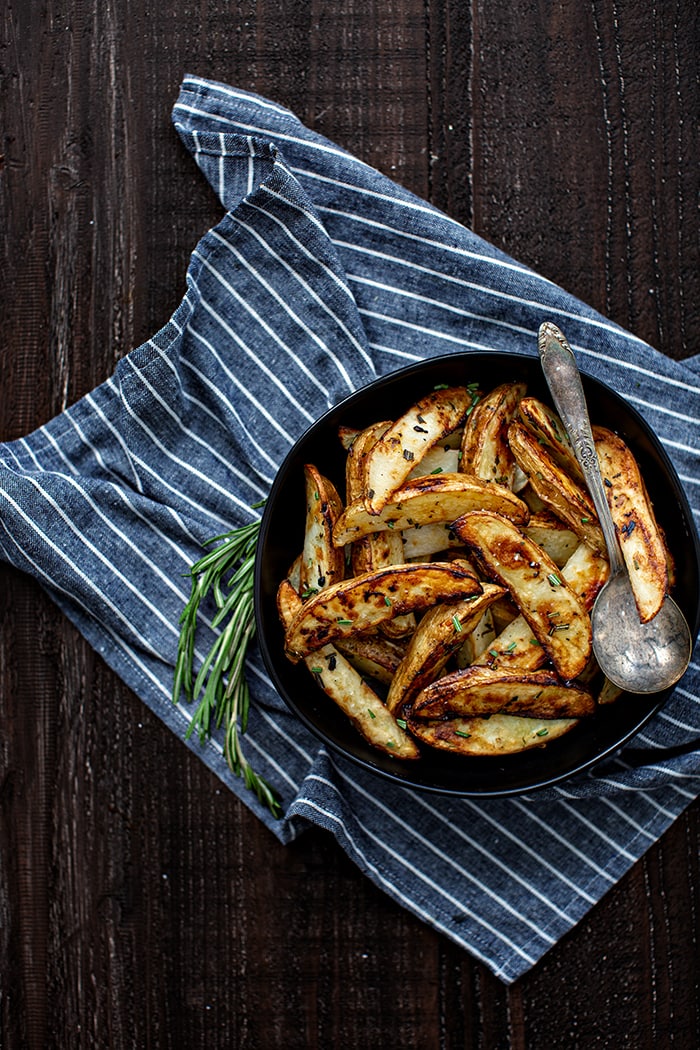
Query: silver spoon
point(638, 657)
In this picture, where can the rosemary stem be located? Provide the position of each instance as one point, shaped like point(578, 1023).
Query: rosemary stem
point(224, 574)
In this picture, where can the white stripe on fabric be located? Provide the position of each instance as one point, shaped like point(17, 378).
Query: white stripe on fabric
point(530, 815)
point(630, 366)
point(118, 438)
point(99, 555)
point(655, 407)
point(690, 726)
point(429, 242)
point(241, 96)
point(299, 246)
point(200, 405)
point(176, 492)
point(380, 877)
point(290, 312)
point(491, 858)
point(204, 478)
point(75, 569)
point(222, 167)
point(52, 441)
point(243, 346)
point(309, 216)
point(421, 329)
point(192, 436)
point(395, 352)
point(251, 167)
point(470, 285)
point(597, 831)
point(439, 890)
point(394, 290)
point(628, 819)
point(259, 407)
point(255, 129)
point(463, 872)
point(522, 845)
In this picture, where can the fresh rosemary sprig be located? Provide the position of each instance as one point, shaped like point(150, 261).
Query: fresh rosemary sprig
point(226, 572)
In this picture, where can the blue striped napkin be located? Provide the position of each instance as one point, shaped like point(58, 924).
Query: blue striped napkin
point(322, 275)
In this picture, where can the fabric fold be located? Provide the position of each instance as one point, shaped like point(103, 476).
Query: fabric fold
point(321, 275)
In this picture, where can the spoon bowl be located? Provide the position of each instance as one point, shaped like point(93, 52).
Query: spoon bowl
point(638, 657)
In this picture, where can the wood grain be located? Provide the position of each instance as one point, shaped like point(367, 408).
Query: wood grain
point(140, 904)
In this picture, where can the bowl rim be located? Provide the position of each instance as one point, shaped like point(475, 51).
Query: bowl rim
point(357, 751)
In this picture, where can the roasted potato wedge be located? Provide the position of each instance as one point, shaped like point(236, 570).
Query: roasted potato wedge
point(569, 500)
point(558, 620)
point(484, 691)
point(639, 537)
point(426, 501)
point(485, 449)
point(553, 536)
point(478, 641)
point(389, 462)
point(322, 563)
point(373, 655)
point(347, 436)
point(516, 646)
point(439, 635)
point(497, 735)
point(364, 602)
point(438, 460)
point(378, 549)
point(422, 541)
point(545, 425)
point(348, 690)
point(355, 460)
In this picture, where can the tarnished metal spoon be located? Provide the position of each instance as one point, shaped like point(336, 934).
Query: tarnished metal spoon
point(638, 657)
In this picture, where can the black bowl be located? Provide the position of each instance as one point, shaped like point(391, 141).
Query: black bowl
point(281, 538)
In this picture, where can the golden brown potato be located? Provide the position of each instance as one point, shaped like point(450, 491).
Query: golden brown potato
point(545, 425)
point(497, 735)
point(364, 602)
point(322, 563)
point(355, 460)
point(426, 501)
point(422, 541)
point(484, 691)
point(485, 449)
point(391, 459)
point(373, 655)
point(551, 534)
point(348, 690)
point(561, 494)
point(639, 537)
point(558, 620)
point(440, 633)
point(516, 646)
point(438, 460)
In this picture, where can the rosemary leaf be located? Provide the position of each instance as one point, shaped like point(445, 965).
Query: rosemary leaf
point(220, 688)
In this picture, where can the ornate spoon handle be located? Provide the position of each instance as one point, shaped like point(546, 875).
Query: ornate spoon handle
point(564, 382)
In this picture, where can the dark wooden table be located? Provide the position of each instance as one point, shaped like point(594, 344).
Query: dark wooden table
point(140, 904)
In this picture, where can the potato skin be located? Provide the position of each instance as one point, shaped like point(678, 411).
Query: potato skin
point(640, 539)
point(490, 737)
point(363, 602)
point(558, 620)
point(484, 691)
